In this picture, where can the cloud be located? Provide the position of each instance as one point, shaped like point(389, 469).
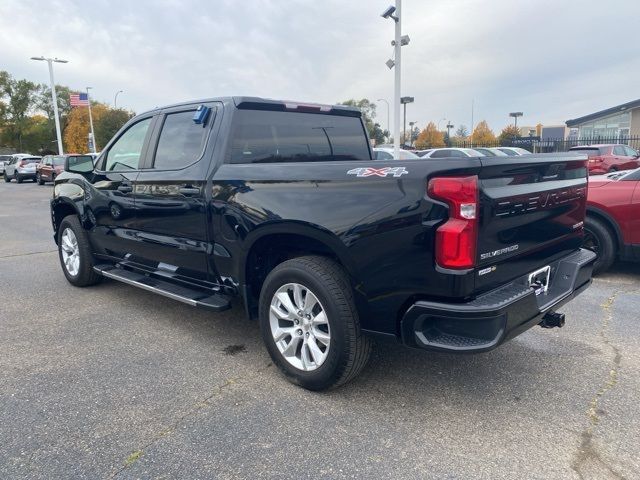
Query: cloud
point(552, 60)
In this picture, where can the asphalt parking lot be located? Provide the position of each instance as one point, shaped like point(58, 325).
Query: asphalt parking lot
point(115, 382)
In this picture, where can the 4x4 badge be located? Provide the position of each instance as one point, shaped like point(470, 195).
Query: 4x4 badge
point(378, 172)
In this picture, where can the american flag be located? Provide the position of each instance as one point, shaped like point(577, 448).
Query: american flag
point(79, 99)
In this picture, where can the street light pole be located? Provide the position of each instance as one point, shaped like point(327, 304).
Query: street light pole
point(515, 116)
point(397, 79)
point(449, 127)
point(115, 99)
point(93, 135)
point(385, 101)
point(404, 101)
point(54, 97)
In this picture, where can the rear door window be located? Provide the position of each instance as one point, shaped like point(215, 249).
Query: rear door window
point(266, 137)
point(181, 141)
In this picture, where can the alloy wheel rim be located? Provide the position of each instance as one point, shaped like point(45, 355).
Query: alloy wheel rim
point(299, 326)
point(70, 252)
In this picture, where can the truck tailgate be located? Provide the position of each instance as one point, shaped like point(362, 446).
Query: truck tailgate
point(532, 211)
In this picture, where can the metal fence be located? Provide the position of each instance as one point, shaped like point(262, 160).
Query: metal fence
point(538, 145)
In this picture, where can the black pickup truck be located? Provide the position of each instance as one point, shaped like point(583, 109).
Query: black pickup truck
point(281, 205)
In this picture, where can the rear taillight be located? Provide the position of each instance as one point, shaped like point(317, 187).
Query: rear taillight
point(457, 238)
point(21, 163)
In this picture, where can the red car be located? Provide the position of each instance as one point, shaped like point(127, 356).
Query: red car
point(606, 158)
point(49, 167)
point(612, 227)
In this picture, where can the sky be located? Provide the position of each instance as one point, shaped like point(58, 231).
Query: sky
point(552, 60)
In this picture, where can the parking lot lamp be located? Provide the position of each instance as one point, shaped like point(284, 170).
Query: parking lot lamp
point(396, 63)
point(515, 116)
point(115, 99)
point(54, 97)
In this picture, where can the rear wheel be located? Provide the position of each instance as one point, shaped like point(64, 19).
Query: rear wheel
point(599, 239)
point(310, 324)
point(18, 177)
point(75, 253)
point(613, 169)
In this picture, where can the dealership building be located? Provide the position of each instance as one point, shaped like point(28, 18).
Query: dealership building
point(614, 124)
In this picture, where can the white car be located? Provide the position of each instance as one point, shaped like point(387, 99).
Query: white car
point(514, 151)
point(453, 153)
point(387, 154)
point(21, 167)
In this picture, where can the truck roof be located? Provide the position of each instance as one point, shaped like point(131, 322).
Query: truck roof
point(259, 103)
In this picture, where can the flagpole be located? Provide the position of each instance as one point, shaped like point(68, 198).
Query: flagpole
point(93, 135)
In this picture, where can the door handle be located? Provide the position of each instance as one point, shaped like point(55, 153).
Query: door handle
point(125, 188)
point(189, 190)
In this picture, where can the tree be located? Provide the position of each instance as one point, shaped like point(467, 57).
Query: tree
point(76, 135)
point(44, 102)
point(482, 135)
point(18, 97)
point(462, 132)
point(430, 137)
point(368, 110)
point(508, 133)
point(36, 137)
point(107, 125)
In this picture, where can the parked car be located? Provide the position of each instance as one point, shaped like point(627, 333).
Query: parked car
point(282, 205)
point(605, 158)
point(612, 226)
point(388, 154)
point(514, 151)
point(491, 152)
point(21, 168)
point(48, 168)
point(452, 153)
point(4, 159)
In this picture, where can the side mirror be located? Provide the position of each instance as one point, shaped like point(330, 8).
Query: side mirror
point(79, 164)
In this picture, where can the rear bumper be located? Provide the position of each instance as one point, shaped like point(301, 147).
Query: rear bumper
point(497, 316)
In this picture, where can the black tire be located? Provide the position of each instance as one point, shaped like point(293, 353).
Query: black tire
point(85, 276)
point(18, 178)
point(599, 238)
point(7, 179)
point(349, 349)
point(39, 179)
point(613, 169)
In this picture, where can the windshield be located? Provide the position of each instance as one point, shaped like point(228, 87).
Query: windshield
point(30, 160)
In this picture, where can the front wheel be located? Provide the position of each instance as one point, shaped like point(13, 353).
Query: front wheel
point(7, 178)
point(310, 324)
point(75, 254)
point(39, 179)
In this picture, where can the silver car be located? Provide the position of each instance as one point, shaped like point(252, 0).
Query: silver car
point(20, 168)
